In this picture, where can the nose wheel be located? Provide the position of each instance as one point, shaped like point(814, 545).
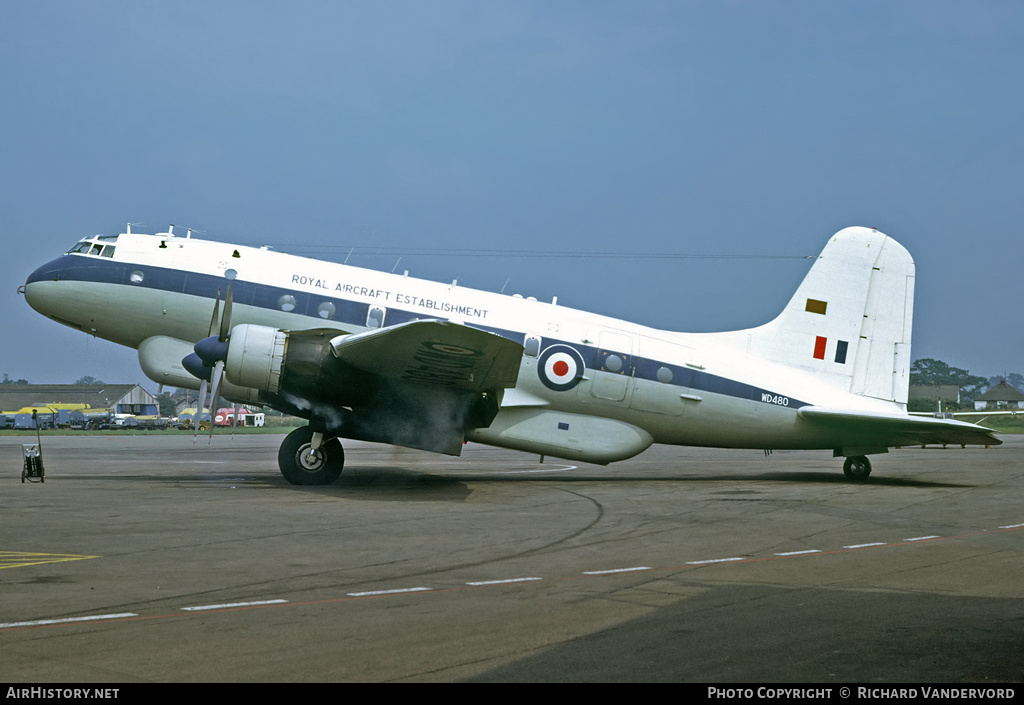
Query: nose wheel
point(307, 461)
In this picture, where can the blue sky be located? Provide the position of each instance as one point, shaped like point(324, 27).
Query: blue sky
point(726, 128)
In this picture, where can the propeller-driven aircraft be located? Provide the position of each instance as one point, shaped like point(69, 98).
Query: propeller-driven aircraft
point(387, 358)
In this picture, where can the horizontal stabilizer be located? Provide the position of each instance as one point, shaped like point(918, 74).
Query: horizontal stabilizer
point(899, 429)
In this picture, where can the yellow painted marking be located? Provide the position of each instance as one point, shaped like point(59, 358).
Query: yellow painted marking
point(815, 306)
point(17, 559)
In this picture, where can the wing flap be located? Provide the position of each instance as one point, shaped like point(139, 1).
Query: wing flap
point(900, 429)
point(434, 352)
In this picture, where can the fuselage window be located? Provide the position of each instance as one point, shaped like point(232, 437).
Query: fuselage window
point(613, 363)
point(327, 310)
point(531, 346)
point(136, 277)
point(286, 303)
point(375, 317)
point(664, 375)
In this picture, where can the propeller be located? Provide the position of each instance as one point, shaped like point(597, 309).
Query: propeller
point(207, 362)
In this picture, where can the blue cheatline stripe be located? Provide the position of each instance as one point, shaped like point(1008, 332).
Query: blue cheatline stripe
point(88, 268)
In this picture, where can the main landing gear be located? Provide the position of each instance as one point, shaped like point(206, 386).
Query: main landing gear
point(306, 458)
point(857, 468)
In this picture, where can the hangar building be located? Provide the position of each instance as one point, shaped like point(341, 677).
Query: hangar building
point(119, 398)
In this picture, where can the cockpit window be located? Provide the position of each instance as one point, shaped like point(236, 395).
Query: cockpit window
point(89, 247)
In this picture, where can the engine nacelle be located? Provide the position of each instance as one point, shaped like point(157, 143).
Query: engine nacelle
point(160, 358)
point(256, 357)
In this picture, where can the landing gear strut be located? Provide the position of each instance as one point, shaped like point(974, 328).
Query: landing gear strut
point(857, 468)
point(306, 458)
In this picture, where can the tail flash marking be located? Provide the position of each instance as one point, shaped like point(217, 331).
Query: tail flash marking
point(815, 306)
point(819, 347)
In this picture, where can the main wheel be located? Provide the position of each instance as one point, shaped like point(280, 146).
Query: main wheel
point(857, 468)
point(301, 465)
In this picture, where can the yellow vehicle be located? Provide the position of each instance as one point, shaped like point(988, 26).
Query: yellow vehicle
point(186, 419)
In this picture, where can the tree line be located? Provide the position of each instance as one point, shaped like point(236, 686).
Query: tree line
point(930, 372)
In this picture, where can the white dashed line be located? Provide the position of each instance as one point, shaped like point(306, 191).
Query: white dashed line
point(501, 582)
point(389, 592)
point(616, 570)
point(799, 553)
point(865, 545)
point(923, 538)
point(1012, 526)
point(229, 605)
point(713, 560)
point(93, 618)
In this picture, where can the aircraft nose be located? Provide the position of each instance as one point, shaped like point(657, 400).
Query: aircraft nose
point(48, 272)
point(39, 290)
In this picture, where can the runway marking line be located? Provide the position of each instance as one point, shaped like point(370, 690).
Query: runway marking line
point(18, 559)
point(616, 570)
point(131, 616)
point(717, 560)
point(66, 620)
point(800, 553)
point(396, 591)
point(230, 605)
point(503, 582)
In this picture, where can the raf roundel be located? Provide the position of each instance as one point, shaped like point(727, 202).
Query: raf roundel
point(560, 368)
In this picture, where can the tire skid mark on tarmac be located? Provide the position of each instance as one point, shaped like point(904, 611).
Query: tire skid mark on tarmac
point(405, 591)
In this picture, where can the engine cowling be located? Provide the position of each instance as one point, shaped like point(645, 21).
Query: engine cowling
point(291, 367)
point(255, 357)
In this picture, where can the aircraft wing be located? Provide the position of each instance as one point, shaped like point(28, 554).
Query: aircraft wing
point(900, 429)
point(434, 352)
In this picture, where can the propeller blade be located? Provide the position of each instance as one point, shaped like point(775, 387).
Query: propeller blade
point(199, 410)
point(212, 350)
point(218, 373)
point(225, 322)
point(216, 315)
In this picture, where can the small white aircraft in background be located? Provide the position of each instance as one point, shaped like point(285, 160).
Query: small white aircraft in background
point(381, 357)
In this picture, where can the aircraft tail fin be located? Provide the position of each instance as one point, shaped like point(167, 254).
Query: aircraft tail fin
point(850, 320)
